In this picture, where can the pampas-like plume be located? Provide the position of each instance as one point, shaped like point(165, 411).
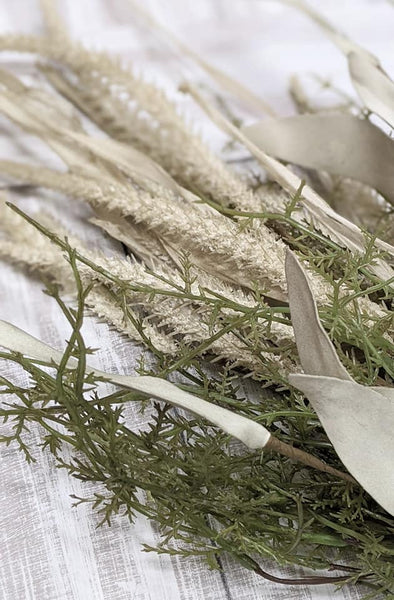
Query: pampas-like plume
point(215, 243)
point(178, 318)
point(175, 147)
point(157, 255)
point(100, 93)
point(120, 105)
point(24, 246)
point(186, 320)
point(101, 172)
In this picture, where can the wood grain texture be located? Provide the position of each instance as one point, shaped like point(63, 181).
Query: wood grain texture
point(49, 550)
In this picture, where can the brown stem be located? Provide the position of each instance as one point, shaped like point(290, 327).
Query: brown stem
point(312, 580)
point(308, 459)
point(335, 567)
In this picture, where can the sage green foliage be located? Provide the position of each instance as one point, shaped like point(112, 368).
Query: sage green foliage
point(208, 495)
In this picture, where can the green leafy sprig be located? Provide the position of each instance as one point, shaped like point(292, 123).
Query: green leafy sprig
point(207, 496)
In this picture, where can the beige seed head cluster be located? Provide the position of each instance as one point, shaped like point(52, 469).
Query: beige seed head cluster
point(146, 182)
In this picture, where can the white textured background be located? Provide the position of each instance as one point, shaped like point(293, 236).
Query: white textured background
point(48, 550)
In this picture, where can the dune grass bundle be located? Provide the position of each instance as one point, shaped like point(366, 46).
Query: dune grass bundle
point(265, 476)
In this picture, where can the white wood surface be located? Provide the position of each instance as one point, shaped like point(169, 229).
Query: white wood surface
point(49, 550)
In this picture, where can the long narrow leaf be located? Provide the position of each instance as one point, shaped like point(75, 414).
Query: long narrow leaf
point(335, 142)
point(358, 420)
point(251, 433)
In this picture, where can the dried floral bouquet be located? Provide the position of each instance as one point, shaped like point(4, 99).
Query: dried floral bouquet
point(264, 277)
